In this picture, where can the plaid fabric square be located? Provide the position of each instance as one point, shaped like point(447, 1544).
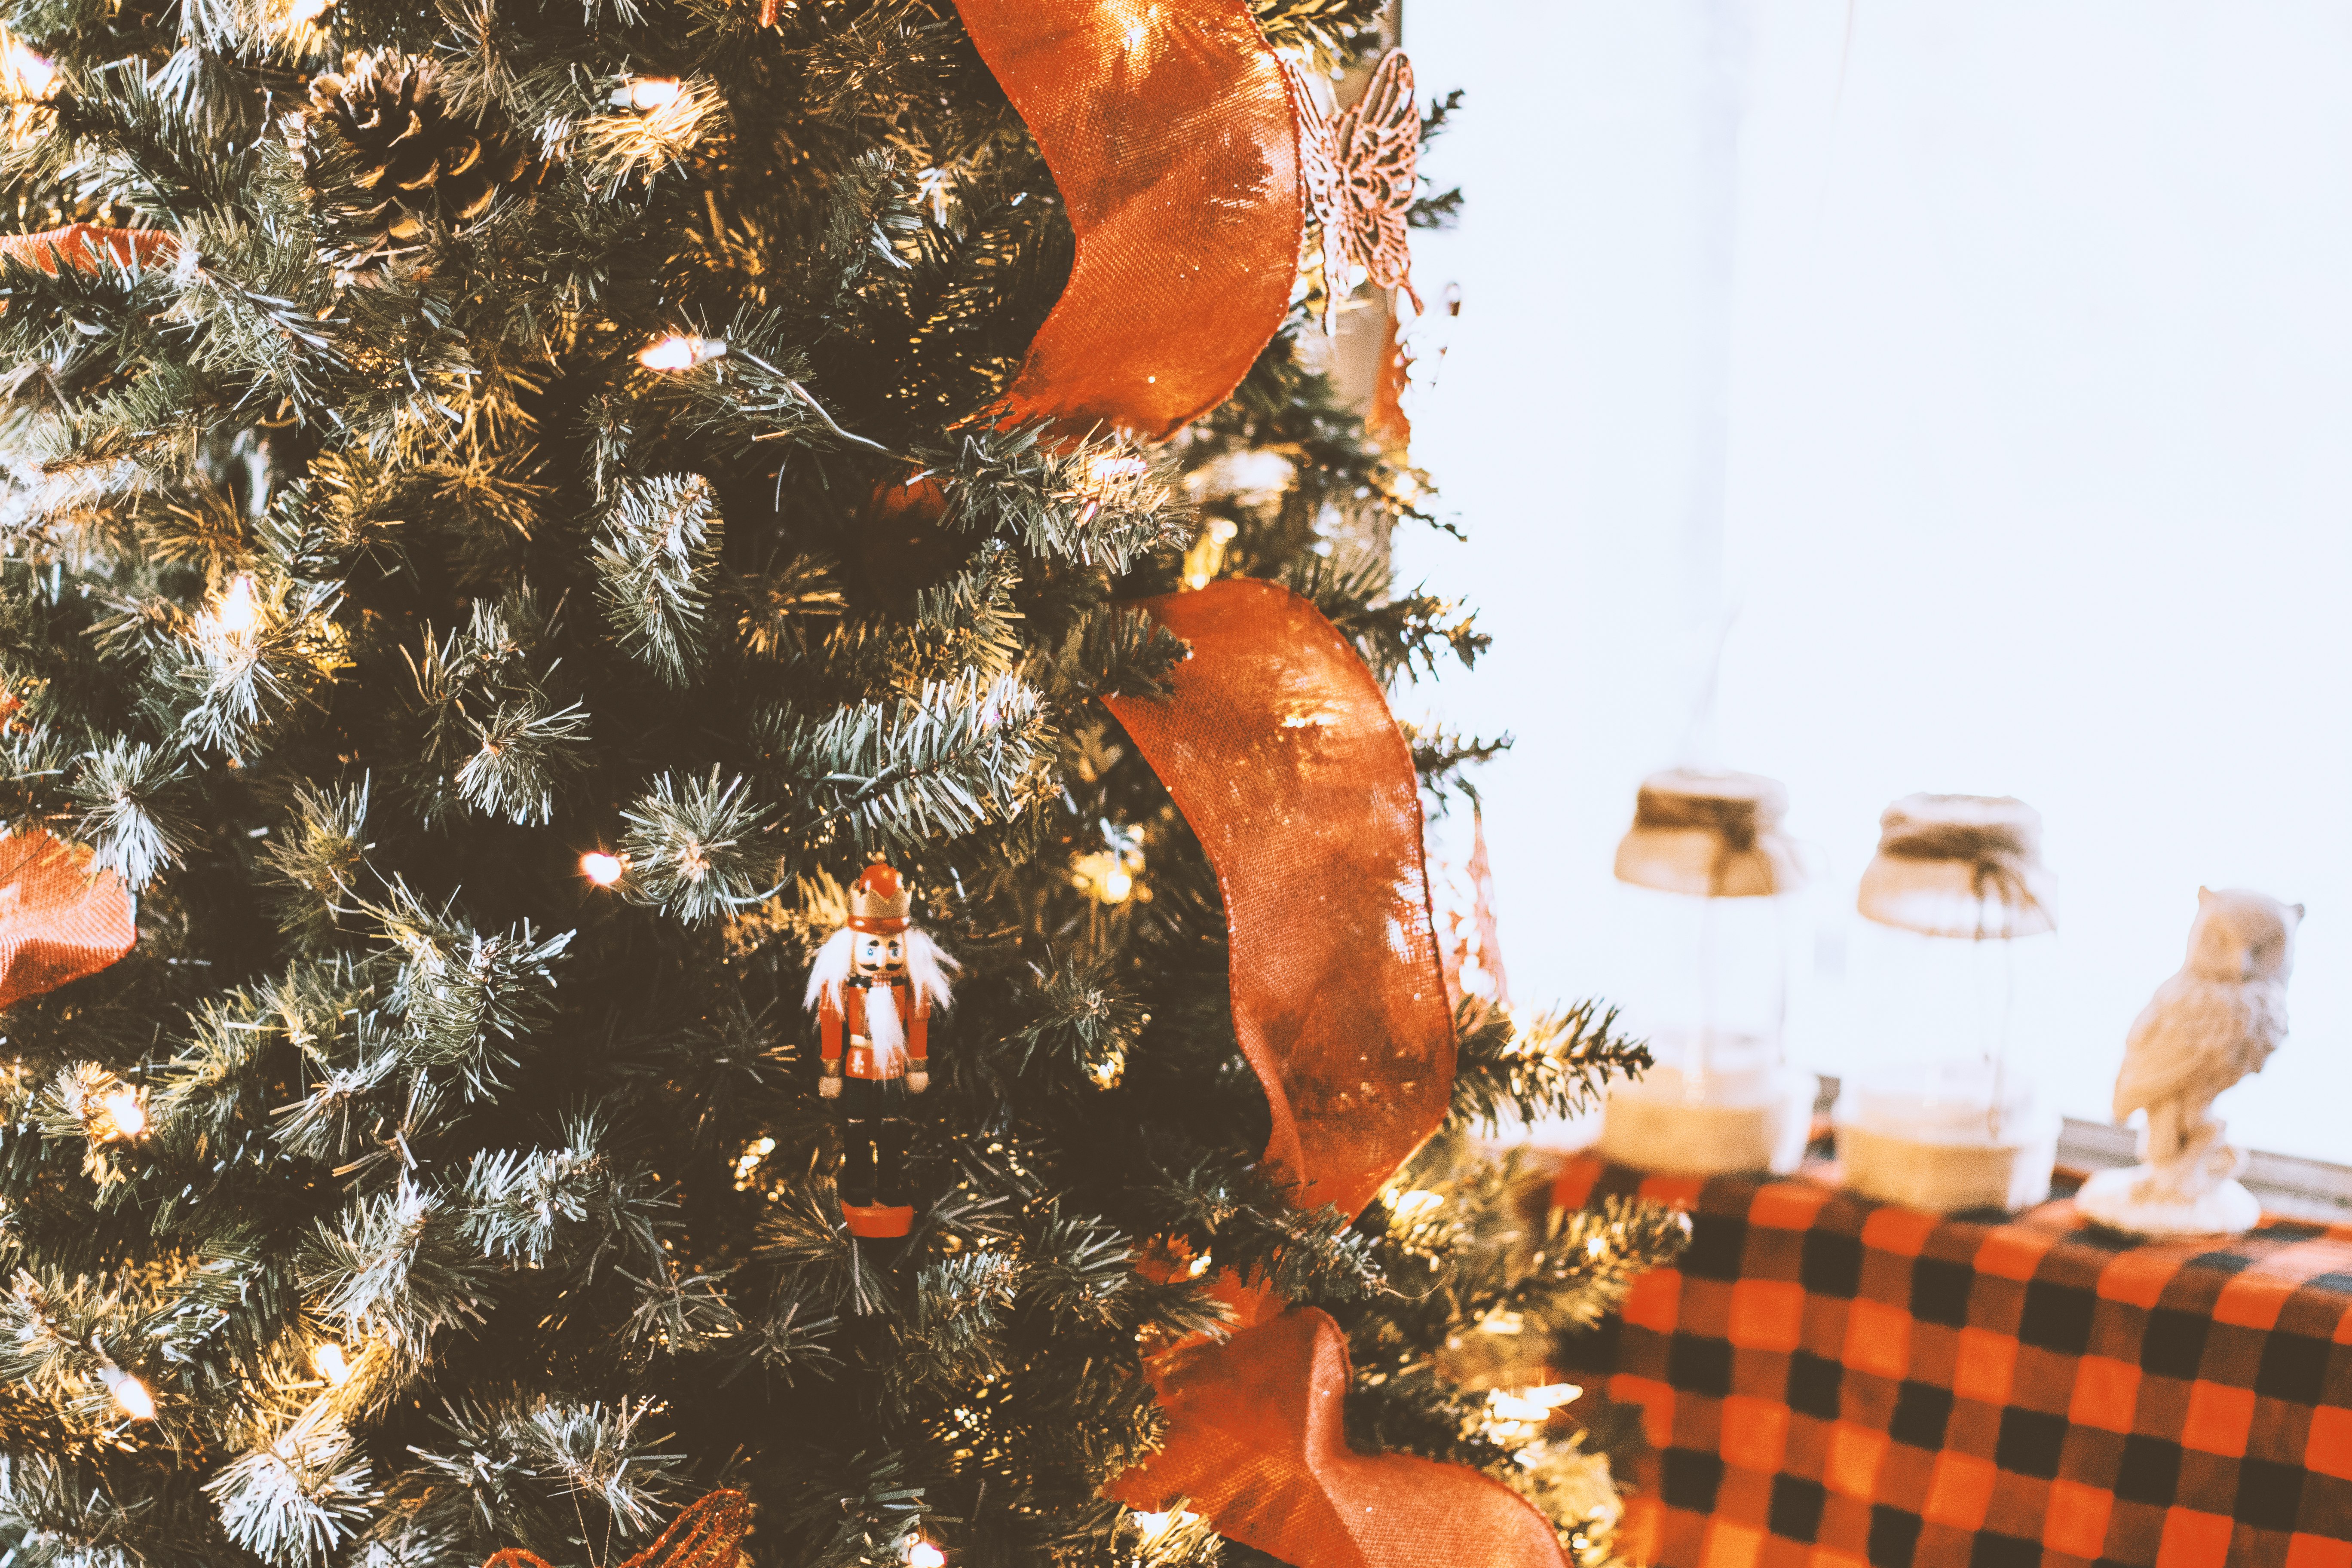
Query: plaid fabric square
point(1829, 1383)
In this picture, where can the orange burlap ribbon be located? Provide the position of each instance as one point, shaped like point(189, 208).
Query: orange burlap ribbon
point(1256, 1444)
point(708, 1534)
point(58, 921)
point(1170, 132)
point(78, 246)
point(1277, 746)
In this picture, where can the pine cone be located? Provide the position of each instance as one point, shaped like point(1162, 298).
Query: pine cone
point(417, 160)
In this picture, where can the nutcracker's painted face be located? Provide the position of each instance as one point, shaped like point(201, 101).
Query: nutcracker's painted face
point(876, 956)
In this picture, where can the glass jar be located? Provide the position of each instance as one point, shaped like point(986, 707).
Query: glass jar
point(1705, 878)
point(1946, 976)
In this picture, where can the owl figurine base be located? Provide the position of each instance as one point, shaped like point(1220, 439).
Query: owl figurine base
point(2124, 1201)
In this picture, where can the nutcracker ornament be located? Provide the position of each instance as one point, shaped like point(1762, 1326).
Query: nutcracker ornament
point(873, 987)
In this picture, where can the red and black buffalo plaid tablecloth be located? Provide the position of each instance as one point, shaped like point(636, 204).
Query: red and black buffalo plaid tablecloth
point(1829, 1381)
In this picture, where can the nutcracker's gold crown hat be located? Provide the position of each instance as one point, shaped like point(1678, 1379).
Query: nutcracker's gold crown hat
point(879, 900)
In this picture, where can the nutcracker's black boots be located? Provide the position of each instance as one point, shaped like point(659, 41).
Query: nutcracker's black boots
point(873, 1143)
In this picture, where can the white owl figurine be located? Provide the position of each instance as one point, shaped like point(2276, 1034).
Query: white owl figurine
point(2208, 1026)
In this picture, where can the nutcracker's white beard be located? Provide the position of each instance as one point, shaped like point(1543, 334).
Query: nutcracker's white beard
point(884, 1035)
point(927, 968)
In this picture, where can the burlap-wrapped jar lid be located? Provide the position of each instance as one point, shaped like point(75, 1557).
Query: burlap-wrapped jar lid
point(1959, 865)
point(1712, 836)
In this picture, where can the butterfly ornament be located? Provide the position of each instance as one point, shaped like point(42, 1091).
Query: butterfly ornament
point(1359, 179)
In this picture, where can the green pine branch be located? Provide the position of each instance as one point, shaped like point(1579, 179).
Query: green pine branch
point(944, 762)
point(1554, 1064)
point(655, 554)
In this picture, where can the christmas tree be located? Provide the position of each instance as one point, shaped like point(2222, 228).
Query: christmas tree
point(511, 508)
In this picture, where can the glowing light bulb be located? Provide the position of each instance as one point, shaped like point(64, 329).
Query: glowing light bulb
point(129, 1393)
point(1530, 1407)
point(654, 92)
point(678, 353)
point(1531, 1404)
point(123, 1109)
point(28, 74)
point(673, 352)
point(1107, 471)
point(1155, 1525)
point(923, 1554)
point(1208, 552)
point(328, 1361)
point(1198, 1266)
point(746, 1165)
point(1107, 875)
point(239, 610)
point(601, 869)
point(309, 10)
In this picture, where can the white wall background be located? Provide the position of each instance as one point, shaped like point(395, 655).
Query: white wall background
point(1990, 362)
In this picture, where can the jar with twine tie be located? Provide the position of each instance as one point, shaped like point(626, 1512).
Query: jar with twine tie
point(1705, 873)
point(1955, 898)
